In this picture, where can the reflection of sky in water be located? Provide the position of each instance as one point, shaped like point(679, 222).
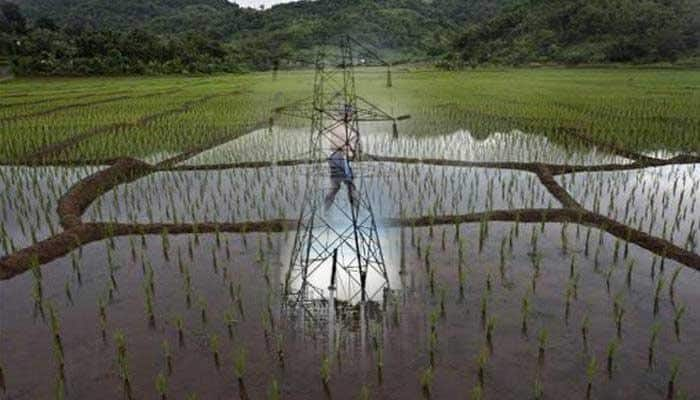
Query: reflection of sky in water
point(347, 285)
point(287, 143)
point(277, 192)
point(334, 230)
point(662, 201)
point(28, 201)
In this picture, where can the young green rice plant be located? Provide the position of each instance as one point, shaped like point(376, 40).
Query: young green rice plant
point(525, 310)
point(123, 363)
point(630, 267)
point(488, 281)
point(426, 380)
point(612, 349)
point(162, 386)
point(572, 266)
point(103, 318)
point(431, 281)
point(678, 312)
point(477, 393)
point(608, 277)
point(538, 389)
point(60, 388)
point(273, 392)
point(655, 328)
point(443, 295)
point(214, 346)
point(364, 393)
point(180, 330)
point(229, 321)
point(325, 372)
point(675, 370)
point(591, 371)
point(167, 356)
point(490, 327)
point(428, 250)
point(56, 335)
point(396, 313)
point(481, 361)
point(585, 327)
point(462, 277)
point(203, 310)
point(239, 360)
point(380, 363)
point(567, 302)
point(618, 313)
point(657, 293)
point(542, 338)
point(279, 346)
point(672, 284)
point(502, 259)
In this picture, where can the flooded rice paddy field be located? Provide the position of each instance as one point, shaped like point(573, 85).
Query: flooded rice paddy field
point(184, 302)
point(539, 237)
point(28, 201)
point(284, 143)
point(278, 192)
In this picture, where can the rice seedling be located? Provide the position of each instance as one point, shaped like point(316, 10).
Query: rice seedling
point(325, 372)
point(542, 338)
point(678, 313)
point(490, 326)
point(585, 327)
point(477, 393)
point(426, 380)
point(123, 363)
point(591, 371)
point(657, 293)
point(162, 386)
point(538, 389)
point(214, 346)
point(611, 351)
point(525, 310)
point(273, 392)
point(364, 393)
point(675, 370)
point(655, 328)
point(481, 361)
point(672, 284)
point(239, 362)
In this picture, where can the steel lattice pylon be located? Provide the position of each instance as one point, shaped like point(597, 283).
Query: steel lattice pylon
point(336, 255)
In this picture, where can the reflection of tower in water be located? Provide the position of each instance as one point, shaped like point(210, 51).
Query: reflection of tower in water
point(337, 265)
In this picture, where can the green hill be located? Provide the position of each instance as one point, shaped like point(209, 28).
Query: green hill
point(164, 36)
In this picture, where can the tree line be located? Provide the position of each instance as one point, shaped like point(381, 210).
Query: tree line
point(102, 37)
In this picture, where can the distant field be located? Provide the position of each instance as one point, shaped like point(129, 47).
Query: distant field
point(156, 118)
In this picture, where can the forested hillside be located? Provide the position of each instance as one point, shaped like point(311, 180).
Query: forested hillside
point(83, 37)
point(584, 31)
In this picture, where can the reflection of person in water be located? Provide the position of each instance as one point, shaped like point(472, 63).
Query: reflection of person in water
point(338, 161)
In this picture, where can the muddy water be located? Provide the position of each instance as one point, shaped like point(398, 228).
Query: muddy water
point(91, 370)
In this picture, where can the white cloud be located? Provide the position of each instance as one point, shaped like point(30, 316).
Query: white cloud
point(257, 3)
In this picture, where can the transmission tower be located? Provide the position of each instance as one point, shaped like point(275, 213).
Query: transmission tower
point(336, 257)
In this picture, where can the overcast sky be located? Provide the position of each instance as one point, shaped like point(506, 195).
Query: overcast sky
point(257, 3)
